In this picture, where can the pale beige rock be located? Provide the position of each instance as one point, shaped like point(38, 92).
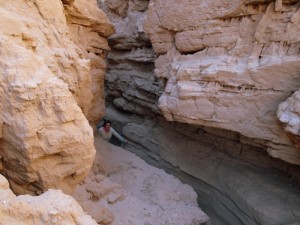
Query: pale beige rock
point(87, 13)
point(52, 207)
point(89, 29)
point(49, 85)
point(228, 66)
point(289, 114)
point(135, 192)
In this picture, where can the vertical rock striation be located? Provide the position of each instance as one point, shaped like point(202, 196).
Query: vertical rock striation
point(228, 66)
point(47, 90)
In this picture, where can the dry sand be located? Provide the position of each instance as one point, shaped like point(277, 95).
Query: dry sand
point(123, 189)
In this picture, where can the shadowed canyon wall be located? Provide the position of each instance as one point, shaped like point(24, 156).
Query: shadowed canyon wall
point(227, 74)
point(130, 82)
point(51, 77)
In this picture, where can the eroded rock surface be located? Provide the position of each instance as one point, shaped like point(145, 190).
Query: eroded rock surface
point(89, 29)
point(49, 81)
point(52, 207)
point(230, 189)
point(130, 81)
point(228, 64)
point(289, 114)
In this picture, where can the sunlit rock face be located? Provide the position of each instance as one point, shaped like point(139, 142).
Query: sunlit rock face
point(289, 114)
point(89, 29)
point(229, 64)
point(47, 90)
point(52, 207)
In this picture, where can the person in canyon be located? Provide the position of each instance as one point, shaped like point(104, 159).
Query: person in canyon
point(106, 132)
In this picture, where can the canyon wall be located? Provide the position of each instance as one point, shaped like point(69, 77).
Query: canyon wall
point(51, 76)
point(229, 91)
point(230, 69)
point(130, 83)
point(229, 66)
point(236, 184)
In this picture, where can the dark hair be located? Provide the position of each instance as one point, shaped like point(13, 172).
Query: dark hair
point(106, 122)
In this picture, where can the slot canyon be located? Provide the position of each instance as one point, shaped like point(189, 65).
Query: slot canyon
point(206, 94)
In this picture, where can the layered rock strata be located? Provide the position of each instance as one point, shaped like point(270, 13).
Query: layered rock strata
point(228, 66)
point(52, 207)
point(236, 182)
point(121, 79)
point(130, 83)
point(289, 114)
point(236, 179)
point(48, 84)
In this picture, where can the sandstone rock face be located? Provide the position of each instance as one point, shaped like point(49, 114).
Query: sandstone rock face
point(289, 114)
point(130, 83)
point(228, 66)
point(47, 89)
point(52, 207)
point(236, 180)
point(89, 29)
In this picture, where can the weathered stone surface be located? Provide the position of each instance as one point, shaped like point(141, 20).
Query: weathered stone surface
point(219, 163)
point(87, 13)
point(220, 166)
point(120, 7)
point(289, 114)
point(49, 82)
point(89, 28)
point(130, 83)
point(228, 65)
point(52, 207)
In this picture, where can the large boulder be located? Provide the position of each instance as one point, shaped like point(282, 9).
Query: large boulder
point(47, 90)
point(52, 207)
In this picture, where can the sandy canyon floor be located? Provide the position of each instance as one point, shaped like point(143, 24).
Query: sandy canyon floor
point(123, 189)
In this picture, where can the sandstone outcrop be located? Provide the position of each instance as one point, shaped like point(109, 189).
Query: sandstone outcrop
point(89, 29)
point(289, 114)
point(228, 66)
point(237, 181)
point(50, 76)
point(52, 207)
